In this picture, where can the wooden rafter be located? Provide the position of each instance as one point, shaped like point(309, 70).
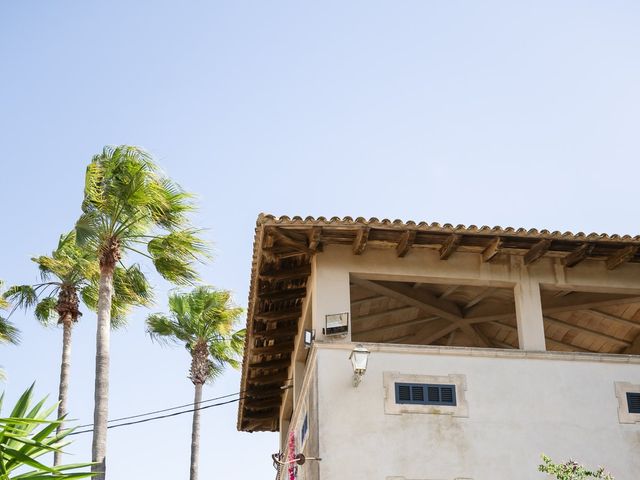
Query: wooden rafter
point(367, 319)
point(360, 242)
point(537, 251)
point(621, 256)
point(449, 291)
point(286, 274)
point(614, 318)
point(392, 326)
point(449, 246)
point(314, 239)
point(578, 255)
point(549, 341)
point(492, 249)
point(593, 333)
point(484, 293)
point(271, 364)
point(280, 294)
point(279, 315)
point(406, 241)
point(284, 238)
point(634, 348)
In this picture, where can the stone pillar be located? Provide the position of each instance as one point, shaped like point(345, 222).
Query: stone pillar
point(529, 313)
point(331, 293)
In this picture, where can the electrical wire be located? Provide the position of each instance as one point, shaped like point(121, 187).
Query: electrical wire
point(163, 410)
point(162, 416)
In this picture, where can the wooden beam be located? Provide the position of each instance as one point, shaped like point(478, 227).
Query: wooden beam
point(449, 246)
point(360, 242)
point(578, 255)
point(272, 349)
point(492, 249)
point(287, 314)
point(269, 379)
point(315, 235)
point(391, 326)
point(406, 241)
point(420, 299)
point(271, 364)
point(594, 333)
point(285, 274)
point(621, 256)
point(275, 334)
point(537, 251)
point(263, 404)
point(283, 294)
point(614, 318)
point(478, 298)
point(449, 291)
point(576, 301)
point(484, 340)
point(375, 316)
point(285, 239)
point(365, 300)
point(548, 341)
point(634, 348)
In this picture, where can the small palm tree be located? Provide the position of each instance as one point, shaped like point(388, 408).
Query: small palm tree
point(203, 321)
point(71, 273)
point(130, 206)
point(26, 434)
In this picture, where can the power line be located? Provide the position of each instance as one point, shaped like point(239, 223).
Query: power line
point(164, 410)
point(163, 416)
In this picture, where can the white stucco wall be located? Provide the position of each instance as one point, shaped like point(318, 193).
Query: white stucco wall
point(519, 405)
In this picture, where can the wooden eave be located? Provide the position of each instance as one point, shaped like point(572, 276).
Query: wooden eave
point(281, 265)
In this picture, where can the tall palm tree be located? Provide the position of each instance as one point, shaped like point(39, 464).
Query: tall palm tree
point(203, 321)
point(68, 274)
point(130, 205)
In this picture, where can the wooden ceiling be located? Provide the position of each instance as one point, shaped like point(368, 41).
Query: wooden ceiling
point(282, 252)
point(472, 316)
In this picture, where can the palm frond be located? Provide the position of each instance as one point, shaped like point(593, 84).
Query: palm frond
point(45, 311)
point(8, 332)
point(204, 315)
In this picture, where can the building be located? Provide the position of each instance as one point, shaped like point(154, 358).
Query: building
point(488, 347)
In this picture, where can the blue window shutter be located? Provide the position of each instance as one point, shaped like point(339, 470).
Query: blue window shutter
point(425, 394)
point(633, 402)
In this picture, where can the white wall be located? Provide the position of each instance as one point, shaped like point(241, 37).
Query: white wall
point(521, 404)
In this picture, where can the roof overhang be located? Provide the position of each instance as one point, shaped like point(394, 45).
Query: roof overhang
point(282, 253)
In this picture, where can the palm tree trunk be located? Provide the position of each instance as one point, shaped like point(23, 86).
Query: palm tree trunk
point(65, 367)
point(195, 432)
point(101, 395)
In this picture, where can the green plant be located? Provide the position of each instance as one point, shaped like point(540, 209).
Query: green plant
point(571, 470)
point(203, 321)
point(27, 434)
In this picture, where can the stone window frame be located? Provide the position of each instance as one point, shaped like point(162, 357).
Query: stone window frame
point(622, 388)
point(461, 409)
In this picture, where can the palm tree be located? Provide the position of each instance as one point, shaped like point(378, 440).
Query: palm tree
point(68, 274)
point(202, 320)
point(129, 205)
point(8, 333)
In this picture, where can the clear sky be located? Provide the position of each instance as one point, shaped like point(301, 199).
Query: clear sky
point(494, 112)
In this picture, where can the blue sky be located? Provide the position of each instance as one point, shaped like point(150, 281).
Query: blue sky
point(499, 113)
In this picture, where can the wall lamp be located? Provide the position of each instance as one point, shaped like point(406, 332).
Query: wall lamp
point(359, 358)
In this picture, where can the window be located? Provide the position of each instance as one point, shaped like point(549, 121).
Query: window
point(633, 402)
point(411, 393)
point(425, 394)
point(628, 395)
